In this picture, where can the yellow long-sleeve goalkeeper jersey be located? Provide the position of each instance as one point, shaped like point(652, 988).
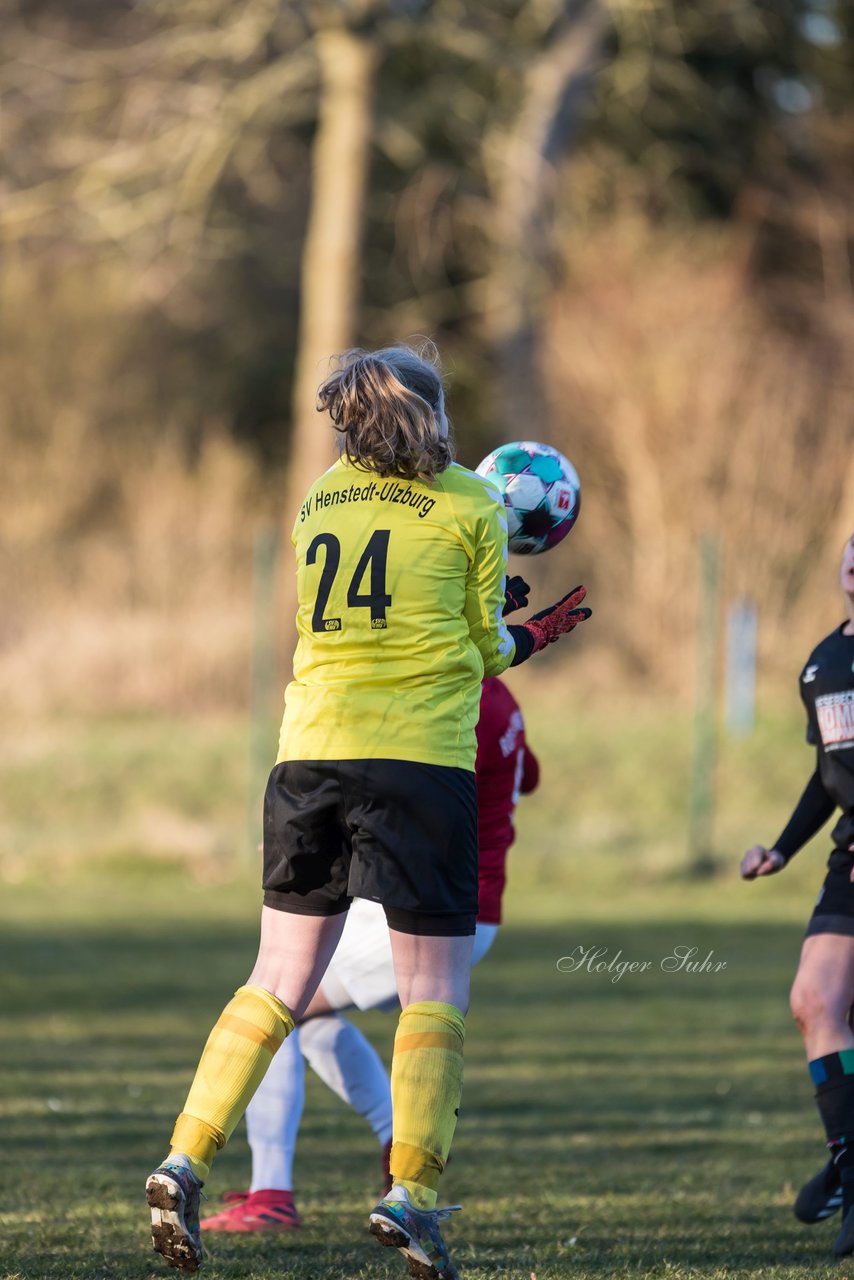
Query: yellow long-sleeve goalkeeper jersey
point(401, 590)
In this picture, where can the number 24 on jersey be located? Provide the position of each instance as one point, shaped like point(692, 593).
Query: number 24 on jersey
point(374, 558)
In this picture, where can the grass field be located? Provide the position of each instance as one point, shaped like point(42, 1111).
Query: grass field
point(652, 1126)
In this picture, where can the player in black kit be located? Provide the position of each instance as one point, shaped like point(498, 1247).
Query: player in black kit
point(823, 991)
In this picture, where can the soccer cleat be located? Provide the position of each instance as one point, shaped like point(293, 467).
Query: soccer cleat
point(821, 1197)
point(173, 1194)
point(257, 1211)
point(844, 1242)
point(415, 1232)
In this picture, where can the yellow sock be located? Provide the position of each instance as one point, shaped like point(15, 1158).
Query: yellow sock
point(234, 1061)
point(426, 1086)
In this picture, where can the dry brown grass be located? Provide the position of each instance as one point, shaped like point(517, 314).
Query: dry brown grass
point(691, 409)
point(148, 604)
point(686, 402)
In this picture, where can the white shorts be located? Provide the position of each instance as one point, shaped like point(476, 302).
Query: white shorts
point(361, 972)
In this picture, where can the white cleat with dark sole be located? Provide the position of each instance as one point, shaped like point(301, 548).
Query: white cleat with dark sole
point(173, 1194)
point(396, 1223)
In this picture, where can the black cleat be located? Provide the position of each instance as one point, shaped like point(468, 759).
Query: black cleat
point(821, 1197)
point(844, 1242)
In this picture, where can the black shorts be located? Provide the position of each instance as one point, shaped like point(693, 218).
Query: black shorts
point(391, 831)
point(834, 910)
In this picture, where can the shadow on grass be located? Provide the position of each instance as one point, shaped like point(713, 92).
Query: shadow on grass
point(643, 1123)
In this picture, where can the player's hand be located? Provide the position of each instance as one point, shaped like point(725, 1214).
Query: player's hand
point(558, 620)
point(515, 595)
point(759, 861)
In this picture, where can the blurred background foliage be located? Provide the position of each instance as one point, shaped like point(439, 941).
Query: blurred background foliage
point(627, 224)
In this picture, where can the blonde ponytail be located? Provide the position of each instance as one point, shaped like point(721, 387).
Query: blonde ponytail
point(389, 409)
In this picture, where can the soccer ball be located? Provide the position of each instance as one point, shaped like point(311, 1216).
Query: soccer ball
point(541, 491)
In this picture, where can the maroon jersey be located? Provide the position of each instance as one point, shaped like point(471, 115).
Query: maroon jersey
point(505, 769)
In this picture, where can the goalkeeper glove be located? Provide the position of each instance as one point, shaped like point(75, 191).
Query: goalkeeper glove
point(515, 595)
point(549, 625)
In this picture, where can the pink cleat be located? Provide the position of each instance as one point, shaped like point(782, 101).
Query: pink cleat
point(256, 1211)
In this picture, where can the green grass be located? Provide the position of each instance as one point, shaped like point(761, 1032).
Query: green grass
point(648, 1127)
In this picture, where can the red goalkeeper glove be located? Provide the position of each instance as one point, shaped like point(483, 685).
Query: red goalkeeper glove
point(515, 595)
point(549, 625)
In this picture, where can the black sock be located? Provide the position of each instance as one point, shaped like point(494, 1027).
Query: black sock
point(833, 1077)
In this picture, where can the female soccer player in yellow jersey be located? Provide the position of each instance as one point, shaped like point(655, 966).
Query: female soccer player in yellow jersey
point(401, 568)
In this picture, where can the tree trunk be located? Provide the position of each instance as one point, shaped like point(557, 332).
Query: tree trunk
point(331, 266)
point(524, 178)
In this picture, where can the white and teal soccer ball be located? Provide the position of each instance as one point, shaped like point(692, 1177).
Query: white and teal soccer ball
point(541, 492)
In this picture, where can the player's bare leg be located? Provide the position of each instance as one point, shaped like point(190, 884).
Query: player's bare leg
point(293, 953)
point(426, 1080)
point(428, 968)
point(349, 1065)
point(821, 1000)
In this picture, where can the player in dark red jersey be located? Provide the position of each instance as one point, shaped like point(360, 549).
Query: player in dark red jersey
point(823, 991)
point(505, 769)
point(361, 975)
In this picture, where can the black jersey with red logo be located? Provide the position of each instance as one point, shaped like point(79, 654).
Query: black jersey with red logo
point(827, 690)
